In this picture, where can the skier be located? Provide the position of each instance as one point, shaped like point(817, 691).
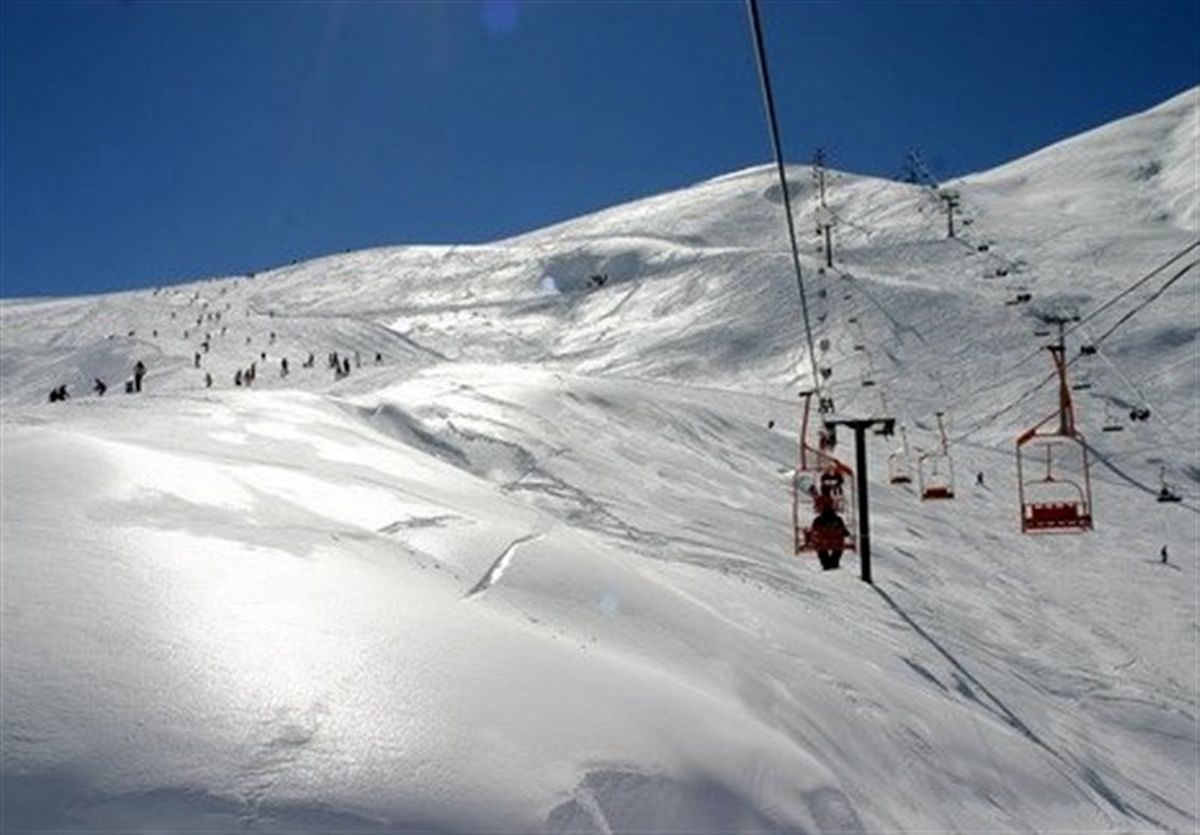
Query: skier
point(139, 371)
point(1163, 554)
point(283, 367)
point(196, 359)
point(207, 380)
point(979, 479)
point(237, 377)
point(378, 358)
point(99, 388)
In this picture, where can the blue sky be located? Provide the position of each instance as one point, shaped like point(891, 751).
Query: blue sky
point(146, 143)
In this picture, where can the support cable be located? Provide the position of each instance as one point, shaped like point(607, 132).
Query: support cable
point(1137, 309)
point(1075, 326)
point(773, 123)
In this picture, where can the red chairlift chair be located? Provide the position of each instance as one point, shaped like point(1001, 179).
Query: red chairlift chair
point(935, 469)
point(820, 481)
point(900, 462)
point(1059, 498)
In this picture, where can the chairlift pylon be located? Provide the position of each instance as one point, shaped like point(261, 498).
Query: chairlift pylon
point(1058, 499)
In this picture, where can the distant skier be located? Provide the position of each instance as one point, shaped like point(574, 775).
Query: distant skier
point(207, 380)
point(1163, 555)
point(237, 377)
point(378, 358)
point(346, 367)
point(139, 371)
point(979, 479)
point(99, 387)
point(196, 359)
point(283, 367)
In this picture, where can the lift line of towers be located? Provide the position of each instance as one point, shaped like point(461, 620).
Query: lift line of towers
point(1054, 490)
point(1054, 481)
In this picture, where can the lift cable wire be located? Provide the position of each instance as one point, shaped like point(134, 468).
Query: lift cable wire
point(773, 123)
point(1038, 352)
point(1136, 285)
point(1034, 389)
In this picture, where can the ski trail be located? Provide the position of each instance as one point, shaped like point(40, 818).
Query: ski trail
point(497, 569)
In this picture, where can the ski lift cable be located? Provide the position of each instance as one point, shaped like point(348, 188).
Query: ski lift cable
point(1037, 387)
point(1136, 284)
point(773, 125)
point(1038, 351)
point(1129, 315)
point(1139, 394)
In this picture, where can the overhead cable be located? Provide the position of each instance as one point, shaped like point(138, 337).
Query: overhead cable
point(773, 123)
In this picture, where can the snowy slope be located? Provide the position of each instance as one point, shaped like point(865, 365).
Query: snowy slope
point(532, 571)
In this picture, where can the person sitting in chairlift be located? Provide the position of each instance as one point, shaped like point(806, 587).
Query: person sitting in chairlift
point(829, 532)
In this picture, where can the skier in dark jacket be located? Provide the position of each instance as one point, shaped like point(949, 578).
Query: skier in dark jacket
point(100, 387)
point(139, 371)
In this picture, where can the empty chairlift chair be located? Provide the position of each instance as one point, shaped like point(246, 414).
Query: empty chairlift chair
point(1111, 422)
point(1053, 480)
point(900, 462)
point(935, 469)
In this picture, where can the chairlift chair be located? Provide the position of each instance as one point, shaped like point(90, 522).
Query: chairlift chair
point(900, 462)
point(1053, 479)
point(935, 469)
point(1111, 423)
point(1166, 493)
point(935, 473)
point(820, 480)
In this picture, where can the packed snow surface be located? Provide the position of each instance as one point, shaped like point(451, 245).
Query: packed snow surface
point(531, 569)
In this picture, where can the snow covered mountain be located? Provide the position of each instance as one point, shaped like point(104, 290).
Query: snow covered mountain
point(532, 570)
